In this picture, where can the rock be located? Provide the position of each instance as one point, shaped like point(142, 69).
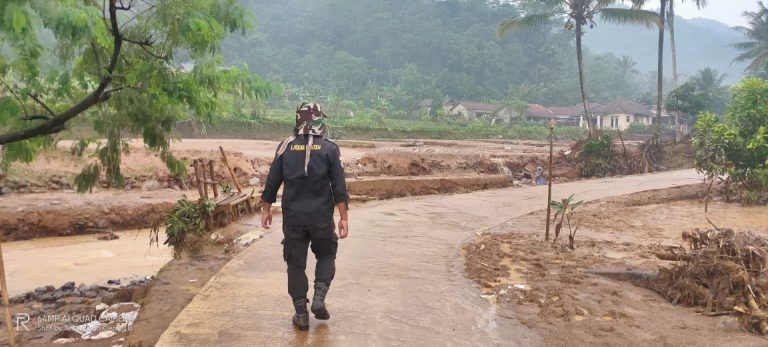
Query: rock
point(40, 290)
point(75, 293)
point(50, 288)
point(730, 324)
point(254, 181)
point(58, 295)
point(53, 186)
point(108, 236)
point(114, 282)
point(6, 190)
point(54, 179)
point(95, 288)
point(151, 185)
point(581, 311)
point(68, 286)
point(64, 182)
point(248, 238)
point(63, 340)
point(82, 287)
point(18, 299)
point(45, 297)
point(216, 236)
point(22, 184)
point(24, 191)
point(90, 294)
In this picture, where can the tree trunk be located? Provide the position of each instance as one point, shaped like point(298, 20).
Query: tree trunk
point(660, 73)
point(582, 79)
point(671, 22)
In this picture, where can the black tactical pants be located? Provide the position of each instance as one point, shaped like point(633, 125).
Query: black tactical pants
point(324, 243)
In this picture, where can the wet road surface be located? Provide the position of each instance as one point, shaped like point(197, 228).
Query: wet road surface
point(399, 281)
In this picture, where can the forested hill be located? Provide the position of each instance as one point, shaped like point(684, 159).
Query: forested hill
point(701, 43)
point(400, 52)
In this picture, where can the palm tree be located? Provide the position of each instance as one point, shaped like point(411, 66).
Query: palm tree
point(671, 22)
point(755, 50)
point(578, 14)
point(709, 84)
point(667, 18)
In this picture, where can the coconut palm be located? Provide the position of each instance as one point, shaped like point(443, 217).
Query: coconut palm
point(667, 13)
point(756, 50)
point(709, 84)
point(578, 14)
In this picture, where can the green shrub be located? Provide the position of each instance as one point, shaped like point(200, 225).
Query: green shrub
point(185, 224)
point(598, 158)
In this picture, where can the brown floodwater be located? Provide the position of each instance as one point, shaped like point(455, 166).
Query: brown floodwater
point(81, 259)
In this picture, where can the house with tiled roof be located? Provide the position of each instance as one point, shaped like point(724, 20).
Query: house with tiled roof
point(470, 111)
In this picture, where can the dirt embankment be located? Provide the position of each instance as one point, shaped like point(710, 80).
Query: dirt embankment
point(555, 291)
point(39, 200)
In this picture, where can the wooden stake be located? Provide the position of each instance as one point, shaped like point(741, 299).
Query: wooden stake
point(213, 179)
point(549, 179)
point(6, 303)
point(231, 173)
point(200, 182)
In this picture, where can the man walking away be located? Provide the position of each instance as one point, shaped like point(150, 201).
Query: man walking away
point(310, 166)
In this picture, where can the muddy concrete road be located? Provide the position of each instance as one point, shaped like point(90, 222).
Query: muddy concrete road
point(400, 278)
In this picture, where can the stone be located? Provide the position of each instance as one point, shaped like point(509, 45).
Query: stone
point(40, 290)
point(108, 236)
point(76, 293)
point(6, 190)
point(53, 186)
point(45, 297)
point(22, 184)
point(90, 294)
point(24, 191)
point(58, 295)
point(730, 324)
point(68, 286)
point(114, 282)
point(248, 238)
point(18, 299)
point(50, 288)
point(151, 185)
point(64, 182)
point(101, 307)
point(82, 287)
point(254, 181)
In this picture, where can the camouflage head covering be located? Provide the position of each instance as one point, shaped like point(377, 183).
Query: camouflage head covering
point(310, 120)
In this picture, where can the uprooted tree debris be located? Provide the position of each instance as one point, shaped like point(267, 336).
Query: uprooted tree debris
point(724, 272)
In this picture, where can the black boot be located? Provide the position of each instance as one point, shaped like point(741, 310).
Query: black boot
point(318, 302)
point(301, 318)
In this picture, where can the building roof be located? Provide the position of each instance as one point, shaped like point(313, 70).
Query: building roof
point(627, 107)
point(536, 110)
point(479, 106)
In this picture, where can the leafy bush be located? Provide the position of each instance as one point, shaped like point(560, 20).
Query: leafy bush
point(736, 148)
point(598, 158)
point(187, 218)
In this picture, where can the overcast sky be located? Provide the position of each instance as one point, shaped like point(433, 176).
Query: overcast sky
point(726, 11)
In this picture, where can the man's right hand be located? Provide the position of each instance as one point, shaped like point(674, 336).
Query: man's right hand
point(266, 216)
point(343, 228)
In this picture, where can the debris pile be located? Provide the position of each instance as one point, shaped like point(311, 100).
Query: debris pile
point(724, 272)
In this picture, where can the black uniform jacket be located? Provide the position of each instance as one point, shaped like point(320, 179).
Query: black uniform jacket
point(310, 199)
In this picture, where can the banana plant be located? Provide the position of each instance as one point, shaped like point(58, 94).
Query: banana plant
point(564, 210)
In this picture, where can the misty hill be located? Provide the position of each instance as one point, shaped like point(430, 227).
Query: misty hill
point(700, 43)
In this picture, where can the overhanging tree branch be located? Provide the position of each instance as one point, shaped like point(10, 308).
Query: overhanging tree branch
point(16, 96)
point(41, 103)
point(57, 123)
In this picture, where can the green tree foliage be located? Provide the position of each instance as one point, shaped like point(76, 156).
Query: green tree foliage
point(115, 64)
point(685, 101)
point(737, 147)
point(408, 51)
point(578, 15)
point(756, 49)
point(709, 84)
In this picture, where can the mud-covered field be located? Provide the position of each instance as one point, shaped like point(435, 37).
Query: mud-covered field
point(555, 291)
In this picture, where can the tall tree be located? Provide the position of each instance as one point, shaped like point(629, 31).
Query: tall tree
point(116, 65)
point(709, 85)
point(756, 49)
point(578, 14)
point(673, 45)
point(663, 4)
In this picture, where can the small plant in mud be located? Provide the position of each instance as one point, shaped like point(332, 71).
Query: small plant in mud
point(225, 187)
point(564, 210)
point(187, 218)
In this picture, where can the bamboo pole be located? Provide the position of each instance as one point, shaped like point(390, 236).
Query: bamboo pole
point(197, 178)
point(6, 303)
point(231, 173)
point(213, 179)
point(549, 178)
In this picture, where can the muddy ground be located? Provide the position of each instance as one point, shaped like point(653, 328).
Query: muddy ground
point(40, 201)
point(551, 290)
